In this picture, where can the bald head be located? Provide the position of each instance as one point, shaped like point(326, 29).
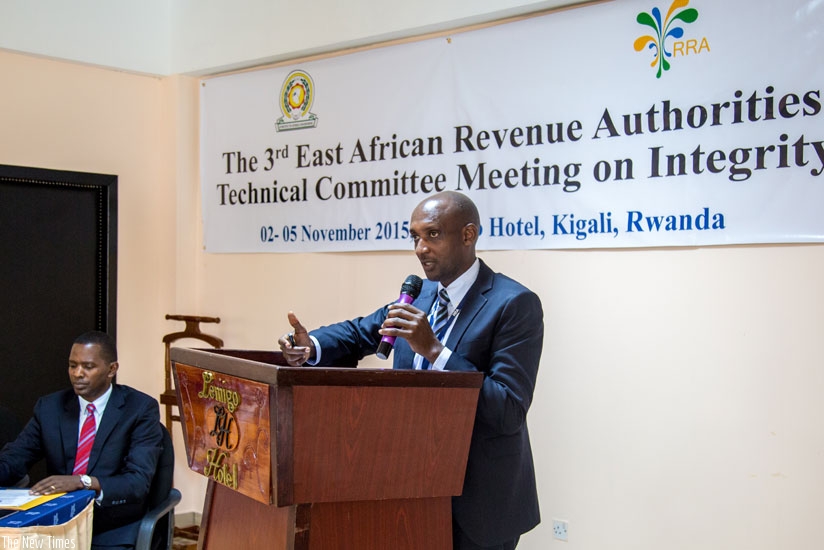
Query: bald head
point(455, 204)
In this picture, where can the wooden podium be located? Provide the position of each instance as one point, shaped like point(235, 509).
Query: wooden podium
point(323, 458)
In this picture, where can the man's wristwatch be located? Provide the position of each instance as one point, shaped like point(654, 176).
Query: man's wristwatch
point(86, 481)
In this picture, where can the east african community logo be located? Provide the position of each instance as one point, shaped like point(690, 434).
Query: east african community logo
point(669, 27)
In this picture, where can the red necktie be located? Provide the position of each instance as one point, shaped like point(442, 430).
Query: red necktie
point(84, 444)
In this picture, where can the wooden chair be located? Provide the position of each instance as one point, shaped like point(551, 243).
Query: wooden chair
point(169, 398)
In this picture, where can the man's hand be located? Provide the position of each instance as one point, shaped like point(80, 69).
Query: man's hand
point(296, 346)
point(410, 323)
point(58, 484)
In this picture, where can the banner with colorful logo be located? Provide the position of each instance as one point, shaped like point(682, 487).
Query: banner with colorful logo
point(623, 124)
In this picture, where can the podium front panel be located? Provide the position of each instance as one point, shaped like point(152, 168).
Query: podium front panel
point(370, 442)
point(226, 423)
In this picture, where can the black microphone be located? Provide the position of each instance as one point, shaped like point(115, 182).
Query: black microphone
point(410, 289)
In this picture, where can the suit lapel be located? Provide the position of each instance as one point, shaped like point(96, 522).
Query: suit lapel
point(69, 426)
point(472, 304)
point(427, 297)
point(111, 418)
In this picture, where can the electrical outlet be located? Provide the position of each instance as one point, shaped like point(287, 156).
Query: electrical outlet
point(560, 529)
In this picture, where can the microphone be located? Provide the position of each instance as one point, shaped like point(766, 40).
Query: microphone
point(410, 289)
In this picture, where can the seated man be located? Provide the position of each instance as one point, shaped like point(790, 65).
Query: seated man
point(98, 435)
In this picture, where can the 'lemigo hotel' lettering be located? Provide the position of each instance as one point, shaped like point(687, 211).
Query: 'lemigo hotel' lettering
point(220, 394)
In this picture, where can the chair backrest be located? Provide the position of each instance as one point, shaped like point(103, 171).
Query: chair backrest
point(157, 528)
point(163, 478)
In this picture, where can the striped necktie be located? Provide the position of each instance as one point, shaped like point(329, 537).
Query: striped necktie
point(439, 320)
point(84, 444)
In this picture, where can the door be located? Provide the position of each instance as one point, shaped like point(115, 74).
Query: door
point(58, 258)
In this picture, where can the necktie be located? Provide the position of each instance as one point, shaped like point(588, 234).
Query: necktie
point(441, 314)
point(84, 444)
point(439, 320)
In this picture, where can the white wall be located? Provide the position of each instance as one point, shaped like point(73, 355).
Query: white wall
point(208, 39)
point(680, 399)
point(162, 37)
point(134, 36)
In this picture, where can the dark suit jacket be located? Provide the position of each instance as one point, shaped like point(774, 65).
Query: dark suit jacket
point(123, 458)
point(499, 332)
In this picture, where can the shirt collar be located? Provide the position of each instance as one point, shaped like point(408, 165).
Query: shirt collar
point(99, 403)
point(460, 286)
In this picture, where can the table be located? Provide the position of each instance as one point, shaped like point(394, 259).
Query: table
point(76, 533)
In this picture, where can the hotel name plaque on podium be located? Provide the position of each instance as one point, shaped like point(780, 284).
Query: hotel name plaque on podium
point(227, 429)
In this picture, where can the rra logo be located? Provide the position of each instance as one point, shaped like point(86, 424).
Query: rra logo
point(669, 28)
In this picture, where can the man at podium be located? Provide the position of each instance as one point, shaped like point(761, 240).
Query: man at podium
point(97, 435)
point(466, 318)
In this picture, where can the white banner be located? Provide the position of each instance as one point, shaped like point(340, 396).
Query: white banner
point(626, 124)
